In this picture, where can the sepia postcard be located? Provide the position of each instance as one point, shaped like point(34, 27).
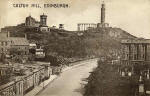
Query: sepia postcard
point(74, 48)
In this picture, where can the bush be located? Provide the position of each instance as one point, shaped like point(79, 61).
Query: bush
point(106, 81)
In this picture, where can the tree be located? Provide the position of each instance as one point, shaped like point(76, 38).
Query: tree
point(3, 58)
point(17, 54)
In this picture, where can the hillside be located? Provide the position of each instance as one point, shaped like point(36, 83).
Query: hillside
point(95, 42)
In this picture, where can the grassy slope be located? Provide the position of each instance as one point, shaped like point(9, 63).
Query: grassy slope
point(68, 44)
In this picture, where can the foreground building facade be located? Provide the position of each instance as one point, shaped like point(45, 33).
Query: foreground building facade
point(135, 62)
point(33, 76)
point(8, 43)
point(136, 51)
point(5, 43)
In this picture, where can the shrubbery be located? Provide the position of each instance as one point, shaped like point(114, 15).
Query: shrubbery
point(106, 81)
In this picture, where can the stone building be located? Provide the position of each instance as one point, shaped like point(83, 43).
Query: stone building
point(136, 61)
point(61, 26)
point(43, 23)
point(17, 43)
point(31, 22)
point(21, 83)
point(135, 51)
point(5, 73)
point(5, 43)
point(103, 24)
point(20, 43)
point(43, 20)
point(136, 56)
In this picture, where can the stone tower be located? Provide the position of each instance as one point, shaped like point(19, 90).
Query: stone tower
point(43, 20)
point(31, 22)
point(102, 24)
point(103, 13)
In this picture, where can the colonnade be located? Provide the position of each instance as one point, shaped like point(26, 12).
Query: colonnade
point(86, 26)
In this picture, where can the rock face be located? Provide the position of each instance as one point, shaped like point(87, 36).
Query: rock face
point(113, 33)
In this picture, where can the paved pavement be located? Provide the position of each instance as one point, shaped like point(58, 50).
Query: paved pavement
point(70, 82)
point(41, 87)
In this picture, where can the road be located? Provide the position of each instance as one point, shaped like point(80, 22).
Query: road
point(70, 82)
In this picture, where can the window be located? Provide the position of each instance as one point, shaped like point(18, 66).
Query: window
point(135, 56)
point(2, 49)
point(127, 56)
point(2, 43)
point(143, 56)
point(6, 43)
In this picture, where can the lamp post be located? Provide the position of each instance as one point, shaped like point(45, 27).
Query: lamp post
point(141, 87)
point(43, 79)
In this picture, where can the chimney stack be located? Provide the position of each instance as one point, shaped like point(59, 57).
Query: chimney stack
point(61, 26)
point(25, 36)
point(8, 34)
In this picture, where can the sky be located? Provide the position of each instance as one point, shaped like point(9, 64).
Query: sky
point(132, 16)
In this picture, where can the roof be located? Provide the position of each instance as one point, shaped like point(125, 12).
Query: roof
point(17, 41)
point(31, 18)
point(5, 66)
point(2, 87)
point(32, 44)
point(136, 41)
point(43, 15)
point(3, 36)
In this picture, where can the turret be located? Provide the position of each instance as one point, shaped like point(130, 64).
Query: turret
point(43, 20)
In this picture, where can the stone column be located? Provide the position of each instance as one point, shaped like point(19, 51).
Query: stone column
point(78, 27)
point(147, 74)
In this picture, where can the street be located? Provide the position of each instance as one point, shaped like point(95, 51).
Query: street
point(70, 82)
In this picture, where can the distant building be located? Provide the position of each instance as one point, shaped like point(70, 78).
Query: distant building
point(61, 26)
point(103, 24)
point(32, 46)
point(86, 26)
point(43, 20)
point(31, 22)
point(33, 25)
point(39, 53)
point(53, 27)
point(43, 23)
